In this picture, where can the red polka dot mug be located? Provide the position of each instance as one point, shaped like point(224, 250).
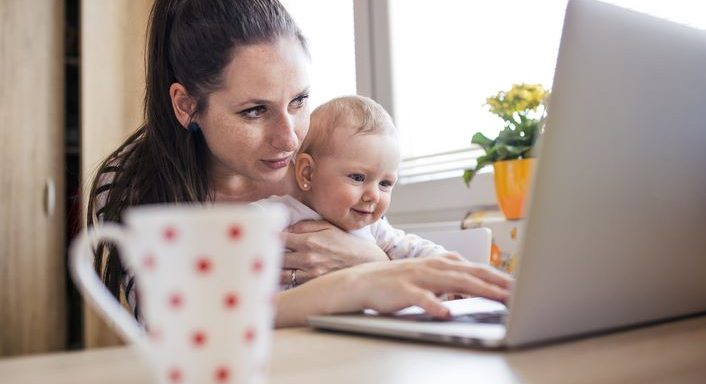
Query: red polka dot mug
point(205, 278)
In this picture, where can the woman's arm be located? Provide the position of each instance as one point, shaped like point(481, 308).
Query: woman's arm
point(318, 248)
point(390, 286)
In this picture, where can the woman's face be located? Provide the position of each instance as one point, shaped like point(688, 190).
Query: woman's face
point(255, 123)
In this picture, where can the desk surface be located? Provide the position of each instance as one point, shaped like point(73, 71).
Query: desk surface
point(672, 352)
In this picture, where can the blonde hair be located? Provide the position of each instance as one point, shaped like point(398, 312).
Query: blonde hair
point(360, 114)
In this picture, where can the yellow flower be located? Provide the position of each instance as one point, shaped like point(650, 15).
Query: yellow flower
point(521, 98)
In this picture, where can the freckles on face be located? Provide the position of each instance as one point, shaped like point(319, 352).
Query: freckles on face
point(255, 122)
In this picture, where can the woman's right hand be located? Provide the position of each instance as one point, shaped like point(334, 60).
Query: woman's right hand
point(420, 282)
point(390, 286)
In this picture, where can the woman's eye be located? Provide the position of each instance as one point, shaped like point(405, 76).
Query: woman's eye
point(357, 177)
point(299, 101)
point(254, 112)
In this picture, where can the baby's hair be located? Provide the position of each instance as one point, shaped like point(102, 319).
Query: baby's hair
point(360, 114)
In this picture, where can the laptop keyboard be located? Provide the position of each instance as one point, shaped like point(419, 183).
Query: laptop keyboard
point(495, 317)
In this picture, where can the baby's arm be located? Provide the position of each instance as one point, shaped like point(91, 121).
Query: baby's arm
point(400, 245)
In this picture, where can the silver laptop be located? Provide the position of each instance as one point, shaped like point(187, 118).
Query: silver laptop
point(616, 227)
point(473, 244)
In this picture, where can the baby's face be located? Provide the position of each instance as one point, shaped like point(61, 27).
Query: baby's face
point(352, 185)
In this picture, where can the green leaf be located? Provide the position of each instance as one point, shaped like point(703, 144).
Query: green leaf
point(483, 161)
point(482, 140)
point(509, 152)
point(490, 156)
point(468, 176)
point(502, 152)
point(515, 152)
point(530, 129)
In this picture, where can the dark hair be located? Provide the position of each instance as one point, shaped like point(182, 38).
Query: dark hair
point(189, 42)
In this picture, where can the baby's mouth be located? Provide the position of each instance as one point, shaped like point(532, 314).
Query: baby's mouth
point(362, 212)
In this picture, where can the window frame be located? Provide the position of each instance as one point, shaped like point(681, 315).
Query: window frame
point(418, 182)
point(374, 79)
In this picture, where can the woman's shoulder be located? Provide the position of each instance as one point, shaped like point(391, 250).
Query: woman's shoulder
point(107, 173)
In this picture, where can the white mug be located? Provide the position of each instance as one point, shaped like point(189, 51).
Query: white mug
point(206, 279)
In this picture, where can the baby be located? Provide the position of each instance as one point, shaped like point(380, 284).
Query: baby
point(345, 171)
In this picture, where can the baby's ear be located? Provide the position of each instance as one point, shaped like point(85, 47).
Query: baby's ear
point(304, 171)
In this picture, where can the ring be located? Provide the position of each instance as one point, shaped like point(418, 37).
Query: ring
point(294, 277)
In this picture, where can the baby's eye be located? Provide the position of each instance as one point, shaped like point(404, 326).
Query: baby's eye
point(254, 112)
point(357, 177)
point(386, 184)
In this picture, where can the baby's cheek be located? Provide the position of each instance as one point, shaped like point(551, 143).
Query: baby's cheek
point(339, 204)
point(384, 204)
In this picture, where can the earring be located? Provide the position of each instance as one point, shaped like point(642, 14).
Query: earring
point(193, 127)
point(305, 185)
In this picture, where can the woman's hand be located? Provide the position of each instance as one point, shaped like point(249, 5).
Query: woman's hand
point(391, 286)
point(318, 247)
point(420, 282)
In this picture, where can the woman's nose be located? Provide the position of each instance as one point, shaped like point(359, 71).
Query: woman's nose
point(284, 134)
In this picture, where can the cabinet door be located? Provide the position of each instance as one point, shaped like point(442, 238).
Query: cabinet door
point(32, 267)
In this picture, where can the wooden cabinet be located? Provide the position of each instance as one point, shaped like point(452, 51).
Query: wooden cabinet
point(32, 219)
point(34, 306)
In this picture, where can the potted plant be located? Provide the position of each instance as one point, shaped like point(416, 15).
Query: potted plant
point(522, 109)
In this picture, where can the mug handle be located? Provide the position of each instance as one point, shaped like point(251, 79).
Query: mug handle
point(93, 289)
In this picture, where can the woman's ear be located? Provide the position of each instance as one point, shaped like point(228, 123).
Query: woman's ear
point(304, 171)
point(183, 104)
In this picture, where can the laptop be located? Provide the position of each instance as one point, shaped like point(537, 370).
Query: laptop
point(616, 227)
point(472, 244)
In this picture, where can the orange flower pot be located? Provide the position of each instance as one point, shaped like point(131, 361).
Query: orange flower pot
point(512, 179)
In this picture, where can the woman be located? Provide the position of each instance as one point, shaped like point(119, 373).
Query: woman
point(226, 109)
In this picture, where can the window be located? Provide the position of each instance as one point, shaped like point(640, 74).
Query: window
point(432, 64)
point(328, 27)
point(446, 57)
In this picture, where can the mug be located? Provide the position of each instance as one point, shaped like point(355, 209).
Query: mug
point(206, 279)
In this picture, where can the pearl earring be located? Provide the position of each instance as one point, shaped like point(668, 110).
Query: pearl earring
point(305, 185)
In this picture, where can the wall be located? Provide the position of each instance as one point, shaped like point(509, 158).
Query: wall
point(112, 91)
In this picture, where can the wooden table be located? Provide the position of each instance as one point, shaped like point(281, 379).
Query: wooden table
point(665, 353)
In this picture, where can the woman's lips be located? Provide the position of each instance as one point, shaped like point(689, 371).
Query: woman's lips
point(277, 163)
